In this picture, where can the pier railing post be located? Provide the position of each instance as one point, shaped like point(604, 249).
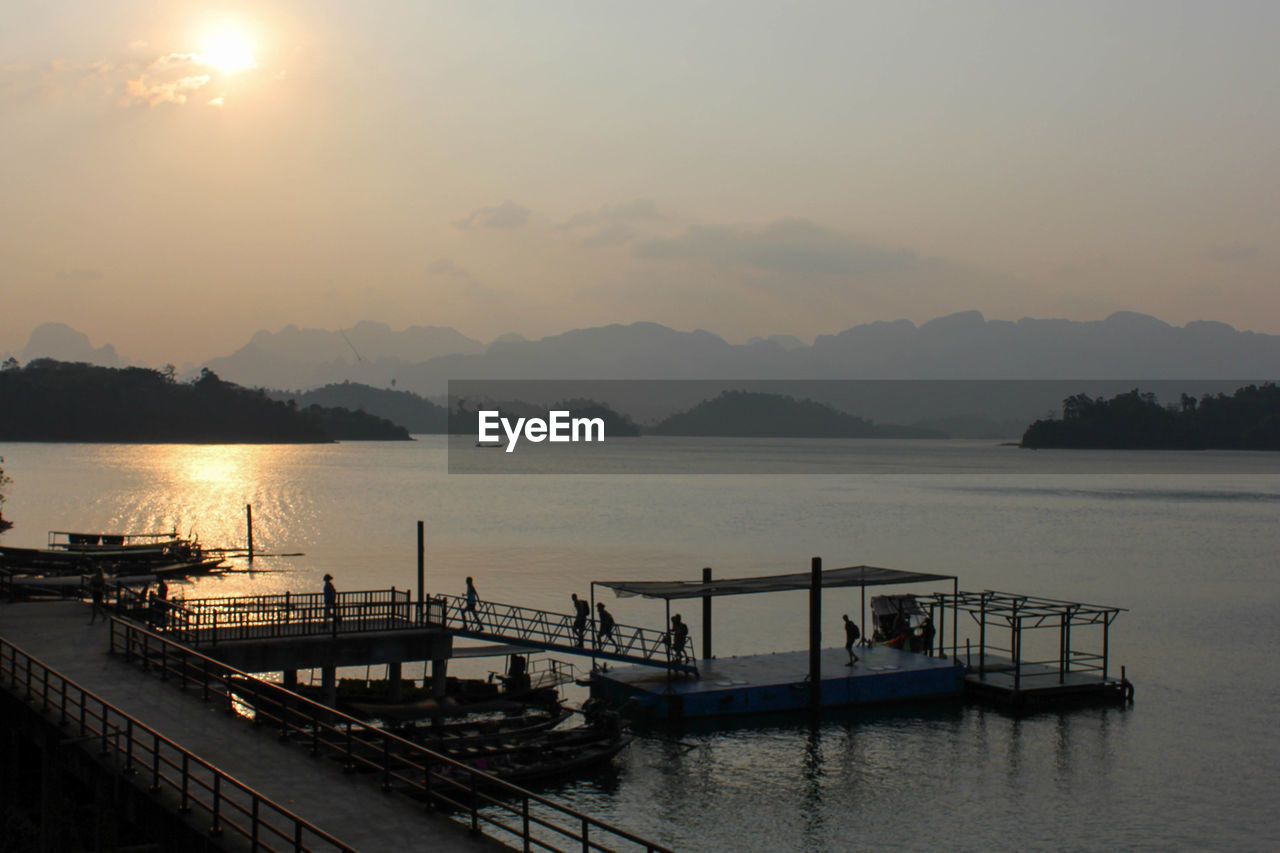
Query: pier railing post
point(815, 633)
point(706, 616)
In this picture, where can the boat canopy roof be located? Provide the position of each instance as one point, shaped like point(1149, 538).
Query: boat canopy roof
point(848, 576)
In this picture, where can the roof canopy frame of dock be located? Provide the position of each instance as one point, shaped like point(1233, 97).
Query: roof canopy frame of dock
point(814, 580)
point(1016, 613)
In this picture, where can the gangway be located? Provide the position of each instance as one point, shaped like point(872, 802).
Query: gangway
point(210, 621)
point(554, 632)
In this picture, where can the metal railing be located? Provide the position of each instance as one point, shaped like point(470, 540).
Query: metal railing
point(512, 623)
point(467, 795)
point(208, 621)
point(229, 805)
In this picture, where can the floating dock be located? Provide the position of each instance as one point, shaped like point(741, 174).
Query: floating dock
point(780, 682)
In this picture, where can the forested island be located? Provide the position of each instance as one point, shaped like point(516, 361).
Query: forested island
point(1248, 419)
point(748, 414)
point(51, 400)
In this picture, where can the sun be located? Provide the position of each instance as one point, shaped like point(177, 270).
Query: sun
point(228, 52)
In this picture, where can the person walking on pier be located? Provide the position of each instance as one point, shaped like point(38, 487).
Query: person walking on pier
point(473, 598)
point(98, 589)
point(606, 629)
point(331, 600)
point(582, 611)
point(851, 634)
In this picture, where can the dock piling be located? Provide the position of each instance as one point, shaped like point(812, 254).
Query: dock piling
point(248, 518)
point(706, 617)
point(815, 633)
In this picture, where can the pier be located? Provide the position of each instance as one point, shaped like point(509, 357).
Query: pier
point(201, 755)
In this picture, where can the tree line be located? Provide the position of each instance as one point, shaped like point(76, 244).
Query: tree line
point(1248, 419)
point(50, 400)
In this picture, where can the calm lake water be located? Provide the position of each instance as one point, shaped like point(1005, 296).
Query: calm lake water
point(1195, 763)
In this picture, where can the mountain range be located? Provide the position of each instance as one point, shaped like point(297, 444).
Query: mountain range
point(1124, 347)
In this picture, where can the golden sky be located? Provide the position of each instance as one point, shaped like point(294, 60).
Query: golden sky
point(177, 176)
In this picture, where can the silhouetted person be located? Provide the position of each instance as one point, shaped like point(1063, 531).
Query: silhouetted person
point(331, 600)
point(851, 635)
point(473, 598)
point(926, 635)
point(517, 678)
point(582, 612)
point(98, 589)
point(159, 605)
point(679, 639)
point(606, 628)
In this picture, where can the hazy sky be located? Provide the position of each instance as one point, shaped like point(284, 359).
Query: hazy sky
point(176, 176)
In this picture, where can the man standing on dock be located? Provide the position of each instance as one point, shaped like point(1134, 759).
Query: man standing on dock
point(582, 610)
point(851, 634)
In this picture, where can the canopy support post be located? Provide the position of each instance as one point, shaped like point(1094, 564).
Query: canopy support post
point(815, 634)
point(706, 617)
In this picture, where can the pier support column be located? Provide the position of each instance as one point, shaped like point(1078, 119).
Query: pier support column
point(422, 575)
point(439, 672)
point(706, 617)
point(815, 634)
point(289, 678)
point(395, 686)
point(329, 685)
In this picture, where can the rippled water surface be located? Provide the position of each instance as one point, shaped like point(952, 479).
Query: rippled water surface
point(1195, 762)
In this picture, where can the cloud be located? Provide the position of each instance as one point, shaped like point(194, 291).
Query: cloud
point(1232, 254)
point(631, 211)
point(505, 215)
point(80, 274)
point(786, 246)
point(170, 79)
point(611, 224)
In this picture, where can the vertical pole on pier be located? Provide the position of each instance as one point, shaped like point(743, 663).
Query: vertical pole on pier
point(248, 518)
point(422, 572)
point(955, 615)
point(815, 634)
point(706, 617)
point(863, 624)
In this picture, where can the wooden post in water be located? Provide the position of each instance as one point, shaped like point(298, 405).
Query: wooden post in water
point(248, 517)
point(706, 617)
point(422, 573)
point(815, 634)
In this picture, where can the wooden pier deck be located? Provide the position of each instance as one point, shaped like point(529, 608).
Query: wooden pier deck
point(155, 706)
point(344, 805)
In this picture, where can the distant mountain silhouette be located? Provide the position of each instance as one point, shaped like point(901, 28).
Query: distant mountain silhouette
point(1126, 347)
point(60, 342)
point(958, 346)
point(369, 353)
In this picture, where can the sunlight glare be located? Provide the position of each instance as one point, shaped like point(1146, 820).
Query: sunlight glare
point(229, 52)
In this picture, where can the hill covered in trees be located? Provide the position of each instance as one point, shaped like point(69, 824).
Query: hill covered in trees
point(416, 414)
point(62, 401)
point(753, 414)
point(1249, 419)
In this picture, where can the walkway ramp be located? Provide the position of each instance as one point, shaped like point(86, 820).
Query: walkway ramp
point(265, 737)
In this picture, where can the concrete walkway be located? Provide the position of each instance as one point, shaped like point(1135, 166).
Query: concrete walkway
point(350, 807)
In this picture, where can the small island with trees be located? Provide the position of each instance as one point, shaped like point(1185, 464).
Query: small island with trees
point(751, 414)
point(1248, 419)
point(51, 400)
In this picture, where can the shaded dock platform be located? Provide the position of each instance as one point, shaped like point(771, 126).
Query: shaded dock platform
point(780, 682)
